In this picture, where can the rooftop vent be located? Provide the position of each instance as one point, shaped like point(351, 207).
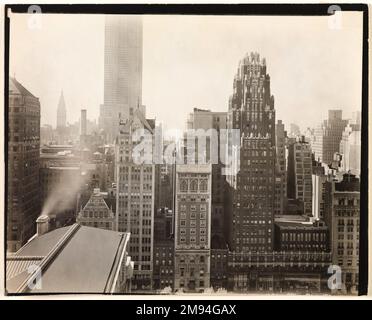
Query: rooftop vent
point(42, 224)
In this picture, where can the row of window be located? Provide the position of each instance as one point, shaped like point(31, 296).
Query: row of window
point(192, 239)
point(192, 223)
point(193, 185)
point(308, 236)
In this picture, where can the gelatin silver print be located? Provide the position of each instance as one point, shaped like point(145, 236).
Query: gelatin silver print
point(184, 154)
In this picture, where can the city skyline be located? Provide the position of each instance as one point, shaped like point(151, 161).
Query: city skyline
point(261, 194)
point(167, 60)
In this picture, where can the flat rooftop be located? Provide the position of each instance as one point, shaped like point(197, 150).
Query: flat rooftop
point(82, 260)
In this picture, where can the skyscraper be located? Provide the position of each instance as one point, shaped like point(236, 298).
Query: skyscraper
point(294, 130)
point(251, 110)
point(327, 137)
point(299, 174)
point(319, 180)
point(23, 201)
point(135, 199)
point(350, 149)
point(61, 112)
point(281, 168)
point(206, 119)
point(122, 71)
point(192, 227)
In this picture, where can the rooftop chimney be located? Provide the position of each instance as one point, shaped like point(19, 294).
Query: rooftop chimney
point(42, 224)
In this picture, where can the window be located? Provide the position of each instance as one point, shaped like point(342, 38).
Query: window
point(194, 185)
point(203, 186)
point(183, 185)
point(192, 272)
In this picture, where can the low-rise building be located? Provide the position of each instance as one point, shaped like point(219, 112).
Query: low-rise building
point(72, 259)
point(96, 213)
point(292, 235)
point(296, 272)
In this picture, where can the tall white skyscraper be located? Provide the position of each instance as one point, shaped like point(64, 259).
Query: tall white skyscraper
point(122, 71)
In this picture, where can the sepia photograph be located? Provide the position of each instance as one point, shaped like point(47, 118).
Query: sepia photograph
point(185, 154)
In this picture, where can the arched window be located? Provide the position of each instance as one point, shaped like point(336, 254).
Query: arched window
point(194, 185)
point(203, 186)
point(183, 185)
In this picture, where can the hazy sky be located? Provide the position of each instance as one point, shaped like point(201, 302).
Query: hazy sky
point(190, 61)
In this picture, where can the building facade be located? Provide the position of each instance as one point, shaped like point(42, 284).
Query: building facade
point(135, 198)
point(281, 169)
point(193, 227)
point(350, 149)
point(279, 272)
point(299, 174)
point(23, 194)
point(96, 213)
point(251, 110)
point(219, 268)
point(163, 268)
point(205, 120)
point(319, 179)
point(327, 137)
point(342, 215)
point(301, 236)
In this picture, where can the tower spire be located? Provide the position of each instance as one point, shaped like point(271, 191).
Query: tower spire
point(61, 111)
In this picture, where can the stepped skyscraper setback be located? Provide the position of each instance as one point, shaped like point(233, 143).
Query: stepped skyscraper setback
point(251, 110)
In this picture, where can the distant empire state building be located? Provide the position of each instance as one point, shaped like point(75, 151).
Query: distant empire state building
point(251, 109)
point(122, 71)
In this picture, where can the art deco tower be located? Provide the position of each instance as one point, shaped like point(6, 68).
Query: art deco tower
point(251, 110)
point(122, 71)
